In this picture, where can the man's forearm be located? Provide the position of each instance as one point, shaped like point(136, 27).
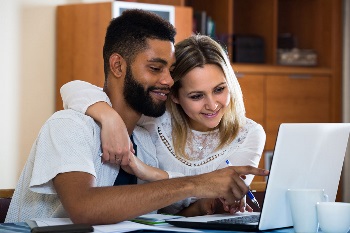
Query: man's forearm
point(86, 203)
point(106, 205)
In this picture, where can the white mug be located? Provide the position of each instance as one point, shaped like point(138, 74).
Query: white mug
point(302, 204)
point(334, 217)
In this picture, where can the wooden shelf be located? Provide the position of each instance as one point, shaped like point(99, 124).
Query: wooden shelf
point(240, 68)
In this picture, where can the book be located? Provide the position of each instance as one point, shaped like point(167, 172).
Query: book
point(154, 219)
point(200, 22)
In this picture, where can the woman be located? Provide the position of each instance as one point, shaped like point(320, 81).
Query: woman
point(204, 124)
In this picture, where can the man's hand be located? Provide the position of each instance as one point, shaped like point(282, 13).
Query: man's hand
point(225, 183)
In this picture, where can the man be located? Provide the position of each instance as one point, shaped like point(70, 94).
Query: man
point(64, 175)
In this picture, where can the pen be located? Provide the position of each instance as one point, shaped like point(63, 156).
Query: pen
point(250, 194)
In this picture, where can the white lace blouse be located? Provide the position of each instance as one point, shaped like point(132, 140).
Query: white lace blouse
point(245, 149)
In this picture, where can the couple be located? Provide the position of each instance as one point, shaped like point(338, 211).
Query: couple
point(64, 175)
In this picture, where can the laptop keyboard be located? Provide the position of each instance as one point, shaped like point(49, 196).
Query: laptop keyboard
point(238, 220)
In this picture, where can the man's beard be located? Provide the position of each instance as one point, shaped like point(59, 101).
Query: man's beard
point(140, 99)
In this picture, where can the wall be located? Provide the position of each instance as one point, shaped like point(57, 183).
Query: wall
point(27, 65)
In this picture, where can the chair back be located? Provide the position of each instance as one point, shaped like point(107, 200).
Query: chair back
point(5, 199)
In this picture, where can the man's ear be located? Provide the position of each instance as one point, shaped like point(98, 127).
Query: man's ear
point(115, 64)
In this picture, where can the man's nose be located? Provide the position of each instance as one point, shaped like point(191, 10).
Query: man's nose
point(166, 79)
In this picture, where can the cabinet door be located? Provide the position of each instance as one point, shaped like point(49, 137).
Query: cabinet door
point(253, 95)
point(294, 99)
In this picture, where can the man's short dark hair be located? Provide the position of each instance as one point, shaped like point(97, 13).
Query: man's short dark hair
point(127, 34)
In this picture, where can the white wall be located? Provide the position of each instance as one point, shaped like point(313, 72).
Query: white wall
point(27, 74)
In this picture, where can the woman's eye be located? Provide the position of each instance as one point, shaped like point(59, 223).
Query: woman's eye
point(196, 97)
point(219, 89)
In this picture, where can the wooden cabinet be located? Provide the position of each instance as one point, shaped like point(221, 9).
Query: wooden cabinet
point(295, 98)
point(273, 98)
point(80, 32)
point(253, 89)
point(290, 93)
point(273, 94)
point(316, 24)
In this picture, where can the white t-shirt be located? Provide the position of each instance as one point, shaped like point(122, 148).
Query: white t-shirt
point(68, 141)
point(245, 149)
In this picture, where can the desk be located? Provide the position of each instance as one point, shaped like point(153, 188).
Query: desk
point(24, 228)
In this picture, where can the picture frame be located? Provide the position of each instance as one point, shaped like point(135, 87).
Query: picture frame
point(167, 12)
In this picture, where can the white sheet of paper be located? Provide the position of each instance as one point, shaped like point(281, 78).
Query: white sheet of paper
point(125, 226)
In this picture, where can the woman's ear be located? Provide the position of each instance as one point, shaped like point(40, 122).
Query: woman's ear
point(115, 64)
point(174, 99)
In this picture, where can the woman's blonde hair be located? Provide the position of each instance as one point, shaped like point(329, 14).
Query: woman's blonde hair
point(196, 51)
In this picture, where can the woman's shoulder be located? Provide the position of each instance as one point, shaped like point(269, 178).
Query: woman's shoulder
point(252, 125)
point(250, 129)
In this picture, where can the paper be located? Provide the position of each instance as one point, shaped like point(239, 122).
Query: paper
point(128, 226)
point(125, 226)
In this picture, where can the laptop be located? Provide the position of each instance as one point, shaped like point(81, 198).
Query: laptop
point(306, 155)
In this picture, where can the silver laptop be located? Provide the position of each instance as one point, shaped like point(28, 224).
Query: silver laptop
point(306, 155)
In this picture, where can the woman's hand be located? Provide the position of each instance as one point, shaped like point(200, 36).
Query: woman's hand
point(207, 206)
point(116, 143)
point(241, 206)
point(135, 166)
point(200, 207)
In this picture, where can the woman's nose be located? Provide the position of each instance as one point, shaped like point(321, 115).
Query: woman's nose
point(211, 104)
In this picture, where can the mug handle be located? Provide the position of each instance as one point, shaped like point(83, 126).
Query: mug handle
point(325, 197)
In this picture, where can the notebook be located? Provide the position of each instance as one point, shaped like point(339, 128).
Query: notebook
point(306, 155)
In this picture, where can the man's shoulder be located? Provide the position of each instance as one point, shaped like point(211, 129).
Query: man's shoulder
point(70, 120)
point(72, 115)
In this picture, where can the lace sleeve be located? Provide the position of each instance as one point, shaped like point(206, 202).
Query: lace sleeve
point(250, 149)
point(79, 95)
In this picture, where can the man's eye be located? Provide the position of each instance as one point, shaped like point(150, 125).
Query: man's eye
point(155, 68)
